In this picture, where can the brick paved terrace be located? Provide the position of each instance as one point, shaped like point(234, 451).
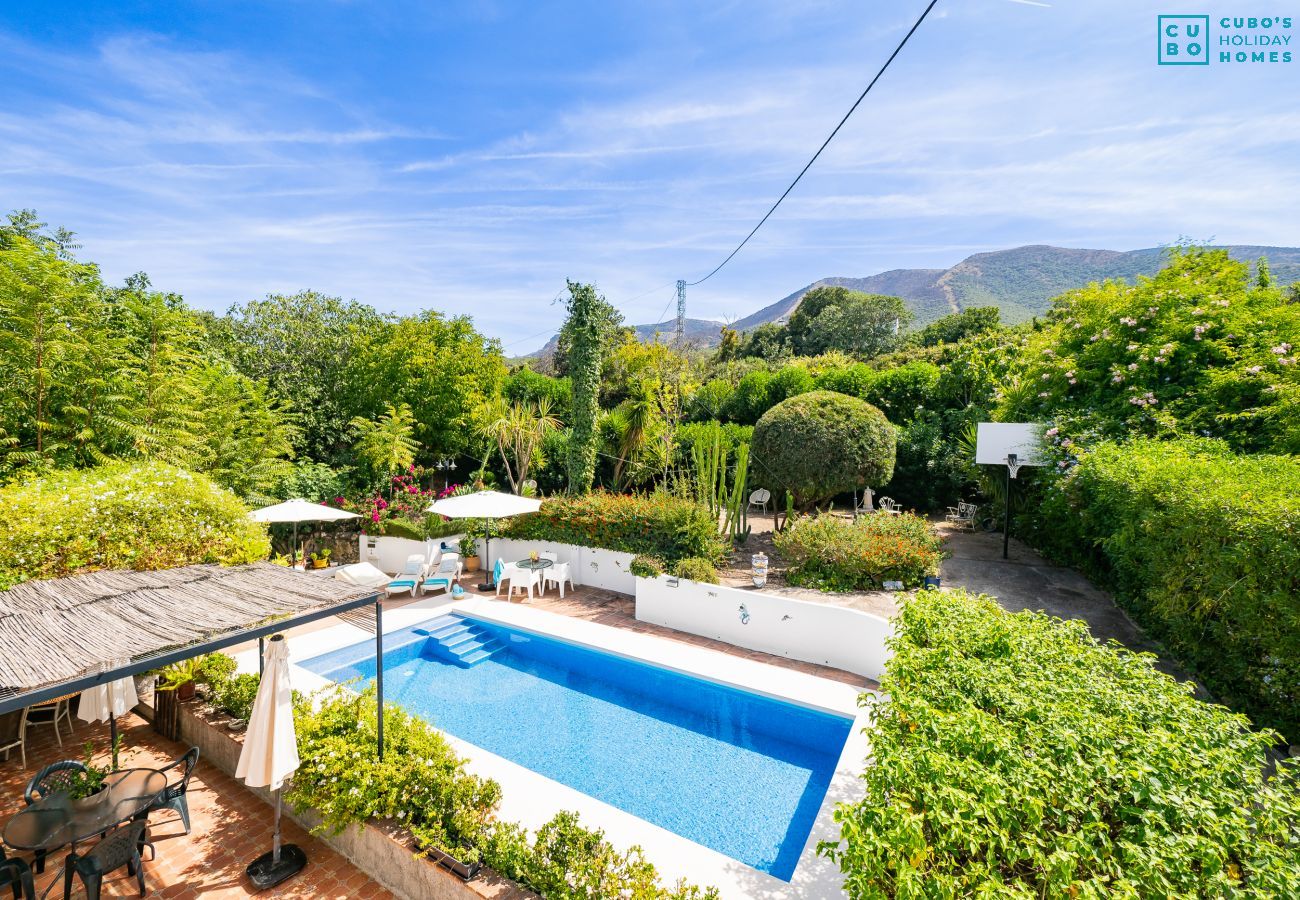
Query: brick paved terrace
point(231, 826)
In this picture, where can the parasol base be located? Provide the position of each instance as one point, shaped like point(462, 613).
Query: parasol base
point(265, 873)
point(486, 587)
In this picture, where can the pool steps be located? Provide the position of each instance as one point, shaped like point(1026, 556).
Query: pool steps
point(462, 643)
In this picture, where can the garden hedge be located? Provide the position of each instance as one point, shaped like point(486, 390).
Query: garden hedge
point(1017, 757)
point(652, 524)
point(1202, 546)
point(121, 516)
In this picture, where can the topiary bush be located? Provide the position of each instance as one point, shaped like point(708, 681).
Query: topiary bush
point(652, 524)
point(121, 516)
point(1201, 545)
point(822, 443)
point(834, 554)
point(1017, 757)
point(695, 569)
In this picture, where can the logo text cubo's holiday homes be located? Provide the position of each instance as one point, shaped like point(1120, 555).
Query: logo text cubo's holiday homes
point(1198, 40)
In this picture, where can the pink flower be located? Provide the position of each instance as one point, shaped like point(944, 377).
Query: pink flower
point(374, 517)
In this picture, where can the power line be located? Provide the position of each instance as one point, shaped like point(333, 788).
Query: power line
point(861, 97)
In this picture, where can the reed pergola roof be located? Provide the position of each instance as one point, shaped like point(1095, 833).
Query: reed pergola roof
point(65, 634)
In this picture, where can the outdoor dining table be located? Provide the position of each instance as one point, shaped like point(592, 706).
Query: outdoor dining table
point(535, 565)
point(58, 820)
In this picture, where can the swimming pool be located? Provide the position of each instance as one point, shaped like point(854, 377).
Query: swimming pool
point(736, 771)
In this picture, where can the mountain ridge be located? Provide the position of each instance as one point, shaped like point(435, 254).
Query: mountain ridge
point(1020, 281)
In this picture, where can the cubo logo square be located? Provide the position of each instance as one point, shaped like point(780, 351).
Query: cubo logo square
point(1183, 40)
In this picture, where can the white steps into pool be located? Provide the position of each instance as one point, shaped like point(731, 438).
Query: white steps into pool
point(462, 642)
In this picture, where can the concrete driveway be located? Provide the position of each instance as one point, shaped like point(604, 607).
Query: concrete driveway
point(1027, 581)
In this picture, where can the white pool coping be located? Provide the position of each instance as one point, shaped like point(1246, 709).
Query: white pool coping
point(533, 799)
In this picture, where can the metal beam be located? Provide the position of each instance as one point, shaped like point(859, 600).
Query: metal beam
point(379, 670)
point(18, 701)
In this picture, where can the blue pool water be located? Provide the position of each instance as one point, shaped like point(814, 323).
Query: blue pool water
point(732, 770)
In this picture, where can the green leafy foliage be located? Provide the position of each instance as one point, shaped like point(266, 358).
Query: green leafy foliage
point(953, 328)
point(836, 318)
point(1017, 757)
point(644, 566)
point(1200, 545)
point(235, 696)
point(589, 329)
point(821, 444)
point(121, 516)
point(1196, 350)
point(696, 569)
point(651, 524)
point(423, 786)
point(835, 554)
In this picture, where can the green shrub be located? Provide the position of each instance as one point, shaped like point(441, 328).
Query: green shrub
point(789, 382)
point(711, 400)
point(1202, 547)
point(216, 669)
point(1017, 757)
point(121, 516)
point(691, 433)
point(750, 399)
point(422, 785)
point(696, 569)
point(834, 554)
point(821, 444)
point(235, 695)
point(651, 524)
point(646, 566)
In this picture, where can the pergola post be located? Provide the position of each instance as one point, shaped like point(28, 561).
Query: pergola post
point(379, 669)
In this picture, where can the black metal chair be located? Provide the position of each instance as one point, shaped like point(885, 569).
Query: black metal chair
point(53, 778)
point(174, 796)
point(16, 874)
point(120, 847)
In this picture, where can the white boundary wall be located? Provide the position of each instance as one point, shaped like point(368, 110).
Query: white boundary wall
point(597, 568)
point(837, 636)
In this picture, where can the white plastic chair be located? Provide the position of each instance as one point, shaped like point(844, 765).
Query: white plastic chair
point(760, 499)
point(557, 575)
point(411, 577)
point(447, 573)
point(518, 577)
point(891, 506)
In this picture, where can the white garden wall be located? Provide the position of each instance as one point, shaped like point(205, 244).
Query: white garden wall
point(388, 554)
point(847, 639)
point(597, 568)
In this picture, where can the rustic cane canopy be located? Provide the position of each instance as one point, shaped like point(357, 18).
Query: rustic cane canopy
point(58, 631)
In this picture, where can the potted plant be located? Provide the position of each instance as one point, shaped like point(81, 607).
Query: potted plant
point(320, 559)
point(89, 782)
point(469, 553)
point(179, 678)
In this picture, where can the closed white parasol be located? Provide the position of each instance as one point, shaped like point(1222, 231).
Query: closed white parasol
point(105, 702)
point(486, 505)
point(270, 756)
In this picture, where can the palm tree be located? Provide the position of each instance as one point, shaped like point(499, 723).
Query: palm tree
point(634, 419)
point(387, 444)
point(518, 430)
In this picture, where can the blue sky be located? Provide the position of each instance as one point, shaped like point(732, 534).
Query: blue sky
point(471, 156)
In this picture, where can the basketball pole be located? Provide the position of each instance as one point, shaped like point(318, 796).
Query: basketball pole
point(1006, 515)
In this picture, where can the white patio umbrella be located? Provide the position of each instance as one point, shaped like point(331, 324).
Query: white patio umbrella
point(488, 505)
point(299, 510)
point(269, 756)
point(107, 701)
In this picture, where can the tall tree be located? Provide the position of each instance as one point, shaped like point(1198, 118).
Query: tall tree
point(518, 430)
point(302, 347)
point(835, 318)
point(589, 327)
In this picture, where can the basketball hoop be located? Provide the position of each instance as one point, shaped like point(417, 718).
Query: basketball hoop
point(1012, 465)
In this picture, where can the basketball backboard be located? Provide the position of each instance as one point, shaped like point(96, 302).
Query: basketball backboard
point(995, 440)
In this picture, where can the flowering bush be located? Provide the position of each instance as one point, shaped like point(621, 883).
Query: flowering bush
point(654, 524)
point(1017, 757)
point(834, 554)
point(121, 516)
point(1197, 349)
